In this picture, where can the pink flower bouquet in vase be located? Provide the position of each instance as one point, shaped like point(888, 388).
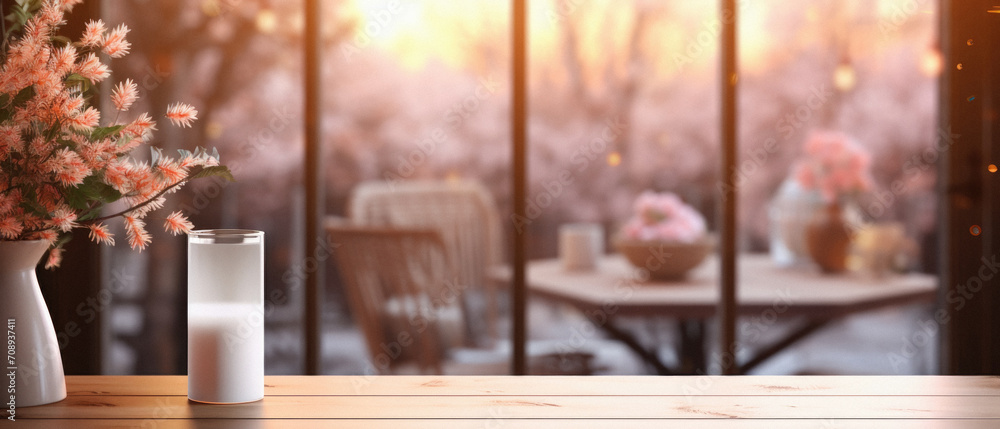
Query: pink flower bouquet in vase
point(834, 170)
point(835, 165)
point(64, 167)
point(665, 236)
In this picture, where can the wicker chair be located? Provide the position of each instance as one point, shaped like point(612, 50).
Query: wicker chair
point(465, 216)
point(397, 284)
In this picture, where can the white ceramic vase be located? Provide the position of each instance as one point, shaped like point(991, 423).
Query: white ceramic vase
point(790, 212)
point(30, 345)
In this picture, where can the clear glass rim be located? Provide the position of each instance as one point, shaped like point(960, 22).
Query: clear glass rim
point(226, 236)
point(227, 233)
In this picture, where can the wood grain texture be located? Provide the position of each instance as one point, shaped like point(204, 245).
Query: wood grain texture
point(510, 423)
point(479, 407)
point(304, 385)
point(506, 401)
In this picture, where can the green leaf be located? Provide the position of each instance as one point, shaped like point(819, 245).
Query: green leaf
point(155, 154)
point(61, 40)
point(63, 239)
point(76, 79)
point(33, 207)
point(215, 171)
point(19, 100)
point(92, 190)
point(76, 199)
point(19, 15)
point(92, 213)
point(95, 189)
point(102, 132)
point(107, 194)
point(23, 96)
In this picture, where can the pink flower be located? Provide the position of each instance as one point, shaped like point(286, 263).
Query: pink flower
point(664, 217)
point(171, 171)
point(47, 235)
point(116, 174)
point(135, 231)
point(99, 234)
point(834, 165)
point(50, 198)
point(9, 200)
point(141, 127)
point(124, 95)
point(10, 228)
point(63, 220)
point(145, 183)
point(64, 60)
point(54, 259)
point(92, 69)
point(114, 43)
point(9, 136)
point(153, 204)
point(96, 154)
point(85, 120)
point(72, 105)
point(67, 5)
point(181, 114)
point(48, 147)
point(176, 223)
point(68, 168)
point(48, 17)
point(93, 35)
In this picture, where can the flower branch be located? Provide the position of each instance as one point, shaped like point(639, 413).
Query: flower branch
point(58, 165)
point(221, 172)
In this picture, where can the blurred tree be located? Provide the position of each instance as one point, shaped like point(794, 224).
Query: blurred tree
point(224, 57)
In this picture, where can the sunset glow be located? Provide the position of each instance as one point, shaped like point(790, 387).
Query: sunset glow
point(683, 35)
point(432, 30)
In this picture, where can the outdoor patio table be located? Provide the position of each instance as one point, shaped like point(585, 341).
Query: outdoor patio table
point(533, 402)
point(765, 292)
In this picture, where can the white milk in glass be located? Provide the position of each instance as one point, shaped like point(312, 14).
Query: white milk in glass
point(225, 316)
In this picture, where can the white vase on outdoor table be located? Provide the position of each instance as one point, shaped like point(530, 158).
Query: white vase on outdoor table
point(31, 348)
point(790, 211)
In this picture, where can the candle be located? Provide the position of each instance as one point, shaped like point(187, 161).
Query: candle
point(225, 316)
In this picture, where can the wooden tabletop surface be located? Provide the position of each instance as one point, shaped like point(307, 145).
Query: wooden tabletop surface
point(535, 402)
point(762, 286)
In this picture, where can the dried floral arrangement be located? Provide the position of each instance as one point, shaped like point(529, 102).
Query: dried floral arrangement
point(63, 166)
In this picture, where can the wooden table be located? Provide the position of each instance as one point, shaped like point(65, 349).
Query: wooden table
point(765, 293)
point(533, 402)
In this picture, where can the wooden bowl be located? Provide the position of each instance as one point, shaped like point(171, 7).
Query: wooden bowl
point(665, 260)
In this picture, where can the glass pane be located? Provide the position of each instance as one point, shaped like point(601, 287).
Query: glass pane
point(623, 135)
point(837, 181)
point(241, 69)
point(416, 122)
point(624, 100)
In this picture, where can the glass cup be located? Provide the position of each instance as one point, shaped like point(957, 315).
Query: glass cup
point(225, 316)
